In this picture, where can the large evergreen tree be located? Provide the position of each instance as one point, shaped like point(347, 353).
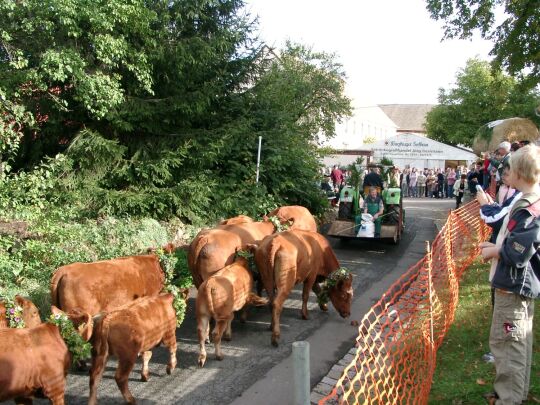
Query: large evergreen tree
point(158, 104)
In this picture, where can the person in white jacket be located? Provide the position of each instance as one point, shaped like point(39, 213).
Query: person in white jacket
point(461, 190)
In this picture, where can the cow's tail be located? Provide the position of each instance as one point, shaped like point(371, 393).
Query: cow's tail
point(193, 258)
point(210, 291)
point(55, 280)
point(274, 248)
point(101, 334)
point(254, 299)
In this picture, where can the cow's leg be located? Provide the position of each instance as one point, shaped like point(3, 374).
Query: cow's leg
point(317, 290)
point(146, 356)
point(202, 331)
point(277, 307)
point(125, 365)
point(221, 325)
point(54, 389)
point(308, 284)
point(96, 372)
point(56, 400)
point(285, 285)
point(244, 314)
point(228, 331)
point(169, 340)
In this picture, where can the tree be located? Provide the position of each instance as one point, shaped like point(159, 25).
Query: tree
point(480, 95)
point(516, 39)
point(158, 105)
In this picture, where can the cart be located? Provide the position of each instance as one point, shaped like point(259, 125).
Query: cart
point(393, 218)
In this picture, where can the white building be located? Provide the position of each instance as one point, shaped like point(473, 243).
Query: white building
point(412, 150)
point(384, 130)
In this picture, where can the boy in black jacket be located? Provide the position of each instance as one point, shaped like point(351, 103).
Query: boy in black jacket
point(515, 275)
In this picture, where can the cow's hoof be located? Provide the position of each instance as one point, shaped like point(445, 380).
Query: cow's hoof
point(275, 342)
point(323, 307)
point(170, 369)
point(228, 338)
point(207, 340)
point(305, 317)
point(144, 378)
point(219, 357)
point(202, 360)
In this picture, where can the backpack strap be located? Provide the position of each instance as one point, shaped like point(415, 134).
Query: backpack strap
point(530, 203)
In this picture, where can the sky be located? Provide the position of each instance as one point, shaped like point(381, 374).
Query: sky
point(391, 50)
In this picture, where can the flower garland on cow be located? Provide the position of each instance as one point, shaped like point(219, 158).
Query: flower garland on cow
point(177, 280)
point(332, 280)
point(79, 349)
point(250, 257)
point(278, 225)
point(14, 314)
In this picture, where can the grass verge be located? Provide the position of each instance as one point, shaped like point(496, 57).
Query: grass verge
point(461, 376)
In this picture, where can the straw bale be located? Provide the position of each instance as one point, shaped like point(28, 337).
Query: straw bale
point(511, 130)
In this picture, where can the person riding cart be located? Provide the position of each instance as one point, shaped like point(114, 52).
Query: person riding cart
point(373, 204)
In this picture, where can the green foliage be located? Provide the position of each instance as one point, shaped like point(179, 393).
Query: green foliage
point(177, 280)
point(357, 173)
point(387, 169)
point(79, 349)
point(158, 106)
point(480, 95)
point(332, 280)
point(516, 47)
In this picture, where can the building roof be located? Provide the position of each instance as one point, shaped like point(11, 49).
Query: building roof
point(408, 117)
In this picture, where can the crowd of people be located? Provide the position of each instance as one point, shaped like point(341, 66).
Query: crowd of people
point(453, 182)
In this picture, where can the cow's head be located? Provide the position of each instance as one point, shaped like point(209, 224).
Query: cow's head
point(82, 321)
point(30, 313)
point(340, 291)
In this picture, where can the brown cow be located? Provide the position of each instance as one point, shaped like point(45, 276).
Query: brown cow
point(36, 363)
point(213, 249)
point(240, 219)
point(288, 258)
point(107, 284)
point(30, 313)
point(219, 296)
point(297, 216)
point(129, 332)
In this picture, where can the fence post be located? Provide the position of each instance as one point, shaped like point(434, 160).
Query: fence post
point(430, 289)
point(301, 373)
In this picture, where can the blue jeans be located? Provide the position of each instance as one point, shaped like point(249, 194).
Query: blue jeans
point(450, 192)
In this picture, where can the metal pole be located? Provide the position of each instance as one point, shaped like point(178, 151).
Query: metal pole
point(258, 159)
point(301, 373)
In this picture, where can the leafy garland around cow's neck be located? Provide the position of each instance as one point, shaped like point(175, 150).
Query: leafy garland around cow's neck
point(332, 280)
point(79, 349)
point(168, 264)
point(14, 314)
point(278, 225)
point(246, 254)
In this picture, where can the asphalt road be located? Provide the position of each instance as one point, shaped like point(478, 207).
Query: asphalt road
point(249, 357)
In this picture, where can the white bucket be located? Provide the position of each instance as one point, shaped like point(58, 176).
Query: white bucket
point(367, 227)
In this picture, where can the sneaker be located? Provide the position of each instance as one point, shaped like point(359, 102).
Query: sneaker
point(491, 397)
point(488, 358)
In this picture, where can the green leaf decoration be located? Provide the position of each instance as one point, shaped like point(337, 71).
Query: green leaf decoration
point(79, 349)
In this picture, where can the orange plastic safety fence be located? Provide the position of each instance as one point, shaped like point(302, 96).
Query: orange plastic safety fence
point(399, 336)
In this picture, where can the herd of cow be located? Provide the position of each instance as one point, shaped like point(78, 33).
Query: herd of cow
point(117, 304)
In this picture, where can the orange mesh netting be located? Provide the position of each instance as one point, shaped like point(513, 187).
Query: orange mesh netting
point(399, 336)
